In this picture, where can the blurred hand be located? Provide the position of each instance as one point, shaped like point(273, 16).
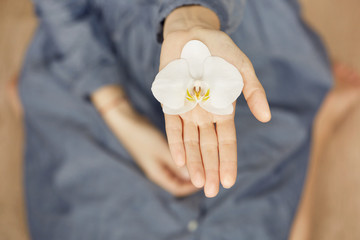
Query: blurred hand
point(151, 152)
point(143, 141)
point(209, 151)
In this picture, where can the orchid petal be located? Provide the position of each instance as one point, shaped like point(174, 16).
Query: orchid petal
point(195, 52)
point(224, 80)
point(170, 84)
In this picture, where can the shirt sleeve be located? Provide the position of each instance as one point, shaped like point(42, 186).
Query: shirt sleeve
point(78, 52)
point(228, 11)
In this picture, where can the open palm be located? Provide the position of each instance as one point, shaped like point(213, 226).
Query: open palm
point(205, 142)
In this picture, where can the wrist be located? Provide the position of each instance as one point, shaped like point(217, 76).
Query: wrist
point(108, 98)
point(111, 103)
point(189, 18)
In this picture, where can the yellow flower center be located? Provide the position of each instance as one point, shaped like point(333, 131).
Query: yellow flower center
point(197, 95)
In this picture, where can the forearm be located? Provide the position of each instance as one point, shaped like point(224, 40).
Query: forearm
point(16, 26)
point(117, 112)
point(111, 102)
point(13, 223)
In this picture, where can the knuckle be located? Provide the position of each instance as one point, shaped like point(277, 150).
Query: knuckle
point(195, 168)
point(191, 142)
point(212, 170)
point(194, 165)
point(209, 145)
point(175, 143)
point(227, 142)
point(173, 128)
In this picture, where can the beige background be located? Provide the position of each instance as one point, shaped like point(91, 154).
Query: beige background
point(337, 21)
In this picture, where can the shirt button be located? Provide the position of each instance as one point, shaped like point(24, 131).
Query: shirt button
point(192, 226)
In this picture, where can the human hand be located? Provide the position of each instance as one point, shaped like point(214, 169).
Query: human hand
point(143, 141)
point(209, 151)
point(151, 152)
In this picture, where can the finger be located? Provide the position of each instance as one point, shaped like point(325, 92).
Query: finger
point(253, 91)
point(209, 153)
point(193, 157)
point(255, 97)
point(228, 152)
point(174, 131)
point(167, 180)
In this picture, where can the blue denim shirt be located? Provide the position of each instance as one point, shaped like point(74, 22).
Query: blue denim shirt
point(81, 183)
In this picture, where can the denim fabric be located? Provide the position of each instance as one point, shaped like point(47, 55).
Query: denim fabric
point(228, 11)
point(81, 183)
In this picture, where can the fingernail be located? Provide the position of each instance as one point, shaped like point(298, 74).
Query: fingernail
point(267, 116)
point(227, 182)
point(198, 180)
point(211, 190)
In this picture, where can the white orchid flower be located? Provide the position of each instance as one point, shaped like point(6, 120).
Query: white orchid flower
point(198, 78)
